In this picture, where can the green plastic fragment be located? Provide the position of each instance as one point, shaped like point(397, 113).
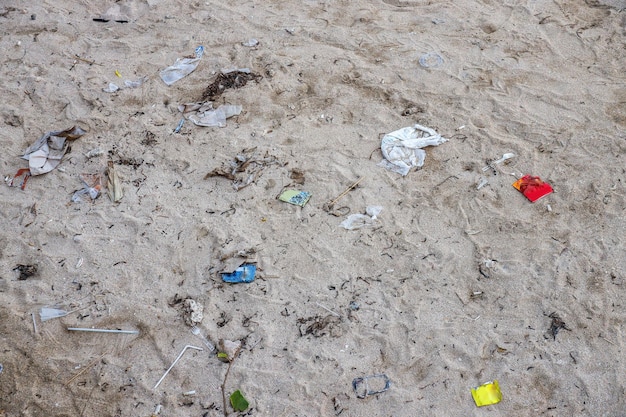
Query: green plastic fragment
point(238, 401)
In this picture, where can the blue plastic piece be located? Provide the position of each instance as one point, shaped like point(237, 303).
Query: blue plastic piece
point(245, 273)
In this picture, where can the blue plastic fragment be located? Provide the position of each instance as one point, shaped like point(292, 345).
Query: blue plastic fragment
point(180, 125)
point(245, 273)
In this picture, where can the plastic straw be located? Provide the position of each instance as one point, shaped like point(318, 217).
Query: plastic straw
point(80, 329)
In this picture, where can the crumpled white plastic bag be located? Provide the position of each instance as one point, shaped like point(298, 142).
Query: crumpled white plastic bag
point(357, 221)
point(402, 149)
point(181, 68)
point(206, 115)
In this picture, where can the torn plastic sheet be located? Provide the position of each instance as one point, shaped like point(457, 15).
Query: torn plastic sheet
point(182, 67)
point(112, 87)
point(48, 313)
point(92, 185)
point(45, 155)
point(402, 149)
point(357, 221)
point(205, 115)
point(362, 388)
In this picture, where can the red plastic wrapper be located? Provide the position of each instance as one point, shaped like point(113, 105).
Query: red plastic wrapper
point(532, 187)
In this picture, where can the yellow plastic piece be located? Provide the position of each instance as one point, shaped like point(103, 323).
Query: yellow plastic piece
point(118, 74)
point(487, 394)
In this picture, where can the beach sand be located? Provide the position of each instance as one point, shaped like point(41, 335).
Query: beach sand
point(452, 286)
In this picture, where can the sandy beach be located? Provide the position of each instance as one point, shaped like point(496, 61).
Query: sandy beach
point(459, 280)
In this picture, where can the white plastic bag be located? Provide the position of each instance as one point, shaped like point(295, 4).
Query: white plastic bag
point(181, 68)
point(215, 117)
point(357, 221)
point(402, 149)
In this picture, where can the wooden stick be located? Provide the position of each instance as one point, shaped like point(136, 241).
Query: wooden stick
point(332, 203)
point(85, 369)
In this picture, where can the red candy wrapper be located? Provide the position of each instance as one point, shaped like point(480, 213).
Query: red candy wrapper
point(532, 187)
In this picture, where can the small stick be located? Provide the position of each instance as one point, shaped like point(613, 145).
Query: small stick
point(607, 340)
point(80, 329)
point(332, 203)
point(230, 364)
point(328, 309)
point(85, 369)
point(174, 363)
point(34, 322)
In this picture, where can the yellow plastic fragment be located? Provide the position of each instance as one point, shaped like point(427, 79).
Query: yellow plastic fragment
point(118, 74)
point(487, 394)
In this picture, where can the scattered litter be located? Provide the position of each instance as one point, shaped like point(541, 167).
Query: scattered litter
point(196, 331)
point(228, 350)
point(24, 171)
point(47, 313)
point(476, 294)
point(493, 164)
point(431, 60)
point(328, 309)
point(354, 306)
point(46, 153)
point(94, 152)
point(134, 84)
point(487, 394)
point(532, 187)
point(229, 78)
point(402, 148)
point(111, 88)
point(26, 271)
point(295, 197)
point(482, 183)
point(182, 67)
point(362, 387)
point(245, 169)
point(1, 368)
point(114, 186)
point(556, 325)
point(206, 115)
point(118, 74)
point(357, 221)
point(32, 315)
point(189, 393)
point(157, 409)
point(92, 185)
point(174, 363)
point(238, 401)
point(81, 329)
point(245, 273)
point(251, 43)
point(180, 125)
point(192, 312)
